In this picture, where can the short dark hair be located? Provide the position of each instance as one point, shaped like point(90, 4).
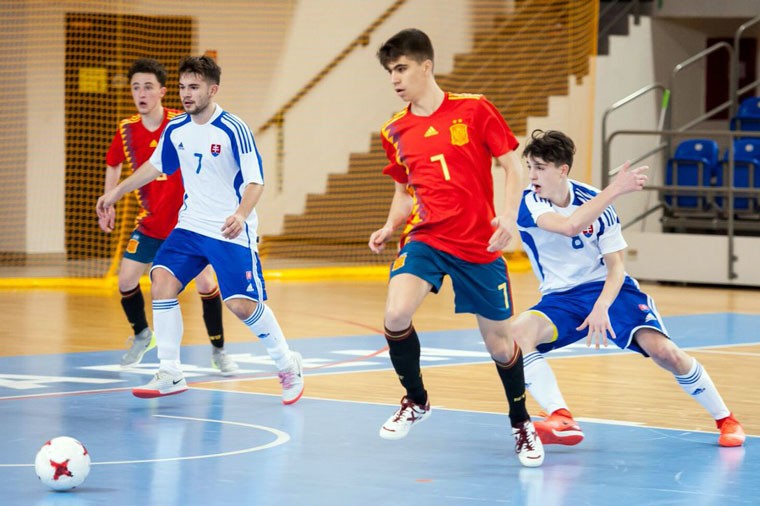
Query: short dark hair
point(551, 146)
point(148, 66)
point(204, 66)
point(412, 43)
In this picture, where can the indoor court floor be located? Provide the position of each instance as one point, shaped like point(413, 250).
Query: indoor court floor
point(231, 441)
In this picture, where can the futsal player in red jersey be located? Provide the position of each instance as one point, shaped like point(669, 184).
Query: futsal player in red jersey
point(160, 200)
point(440, 150)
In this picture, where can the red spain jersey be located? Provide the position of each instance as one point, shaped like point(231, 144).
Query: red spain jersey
point(445, 160)
point(160, 199)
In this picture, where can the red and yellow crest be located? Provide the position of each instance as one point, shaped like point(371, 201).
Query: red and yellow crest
point(459, 135)
point(399, 262)
point(132, 246)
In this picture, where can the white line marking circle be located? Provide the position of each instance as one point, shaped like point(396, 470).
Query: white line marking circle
point(280, 438)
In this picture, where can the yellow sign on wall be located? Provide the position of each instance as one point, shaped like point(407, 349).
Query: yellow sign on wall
point(93, 80)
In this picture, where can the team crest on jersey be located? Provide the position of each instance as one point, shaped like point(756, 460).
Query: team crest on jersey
point(216, 149)
point(459, 135)
point(644, 308)
point(248, 275)
point(589, 231)
point(399, 262)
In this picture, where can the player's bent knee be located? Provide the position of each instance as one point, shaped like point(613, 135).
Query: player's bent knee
point(164, 285)
point(397, 320)
point(242, 308)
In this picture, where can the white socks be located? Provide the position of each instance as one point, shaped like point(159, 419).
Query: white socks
point(264, 324)
point(698, 384)
point(541, 382)
point(167, 322)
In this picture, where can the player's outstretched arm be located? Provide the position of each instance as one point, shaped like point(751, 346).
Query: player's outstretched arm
point(401, 207)
point(142, 176)
point(628, 180)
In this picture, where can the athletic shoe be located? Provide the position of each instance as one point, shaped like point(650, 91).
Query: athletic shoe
point(220, 360)
point(291, 380)
point(141, 343)
point(731, 432)
point(559, 428)
point(528, 446)
point(163, 383)
point(398, 425)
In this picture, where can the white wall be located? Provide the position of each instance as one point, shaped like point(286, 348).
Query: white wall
point(12, 130)
point(339, 116)
point(248, 40)
point(266, 52)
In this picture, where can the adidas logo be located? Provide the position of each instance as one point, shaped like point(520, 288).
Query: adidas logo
point(181, 146)
point(649, 318)
point(431, 132)
point(153, 143)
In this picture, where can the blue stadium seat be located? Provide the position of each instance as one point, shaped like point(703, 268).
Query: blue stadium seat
point(748, 116)
point(746, 172)
point(695, 163)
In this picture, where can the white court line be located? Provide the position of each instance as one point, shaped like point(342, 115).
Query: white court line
point(281, 438)
point(719, 352)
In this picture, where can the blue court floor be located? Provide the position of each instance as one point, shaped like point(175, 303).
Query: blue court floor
point(214, 447)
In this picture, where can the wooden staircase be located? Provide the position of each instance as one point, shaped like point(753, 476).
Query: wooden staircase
point(518, 65)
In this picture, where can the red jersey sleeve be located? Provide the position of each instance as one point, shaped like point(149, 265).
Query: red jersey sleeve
point(497, 134)
point(394, 169)
point(115, 154)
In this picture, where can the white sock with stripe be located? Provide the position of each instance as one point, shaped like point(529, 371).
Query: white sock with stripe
point(167, 320)
point(541, 382)
point(264, 325)
point(698, 384)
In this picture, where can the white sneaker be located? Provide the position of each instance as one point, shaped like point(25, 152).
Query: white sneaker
point(398, 425)
point(528, 446)
point(220, 360)
point(291, 380)
point(141, 343)
point(163, 383)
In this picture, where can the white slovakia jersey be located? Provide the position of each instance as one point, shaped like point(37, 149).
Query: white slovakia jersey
point(562, 262)
point(218, 159)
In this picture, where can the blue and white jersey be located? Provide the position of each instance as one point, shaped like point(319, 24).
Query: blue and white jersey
point(218, 159)
point(562, 262)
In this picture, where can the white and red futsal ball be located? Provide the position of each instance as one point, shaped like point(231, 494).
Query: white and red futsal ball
point(62, 463)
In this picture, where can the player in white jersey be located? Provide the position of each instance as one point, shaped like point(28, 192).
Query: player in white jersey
point(223, 178)
point(573, 238)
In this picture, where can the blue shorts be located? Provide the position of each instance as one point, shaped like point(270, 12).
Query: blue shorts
point(631, 311)
point(482, 289)
point(142, 248)
point(238, 269)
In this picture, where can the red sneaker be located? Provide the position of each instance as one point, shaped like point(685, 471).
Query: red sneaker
point(559, 428)
point(731, 432)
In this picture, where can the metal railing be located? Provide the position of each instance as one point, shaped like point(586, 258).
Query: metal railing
point(666, 131)
point(734, 76)
point(728, 190)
